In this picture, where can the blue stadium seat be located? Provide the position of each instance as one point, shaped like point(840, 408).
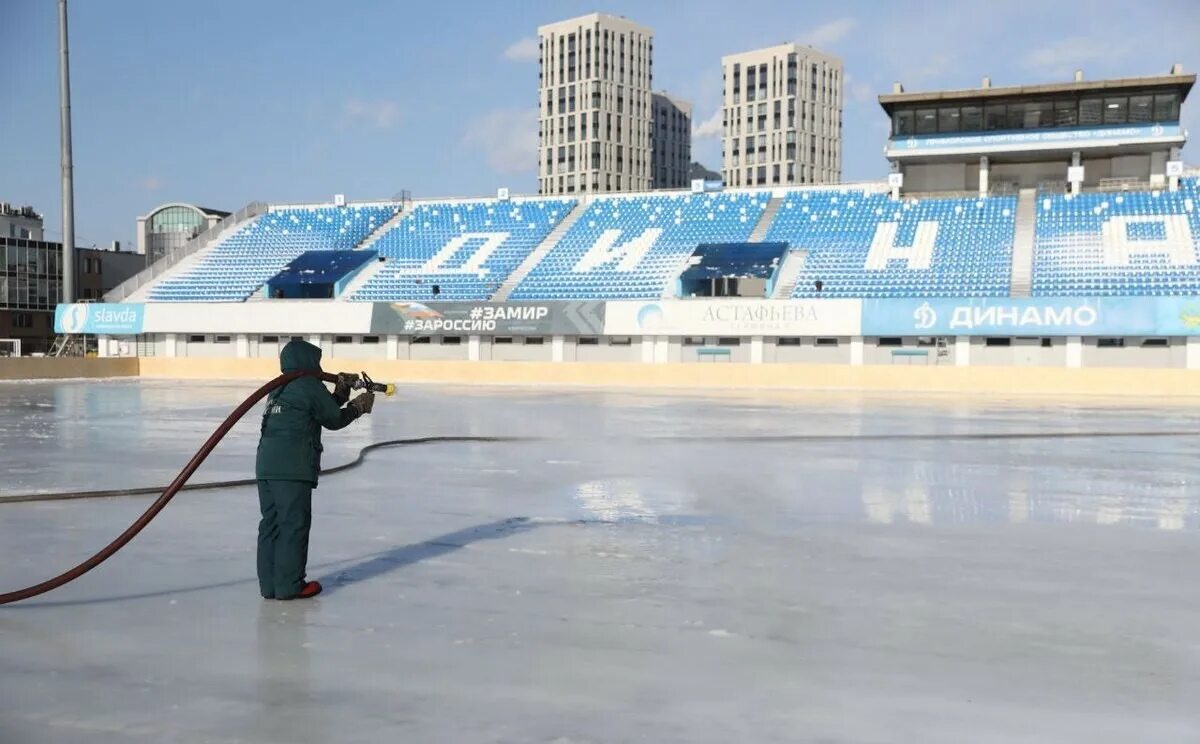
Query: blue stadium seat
point(412, 244)
point(239, 265)
point(971, 250)
point(1118, 244)
point(679, 223)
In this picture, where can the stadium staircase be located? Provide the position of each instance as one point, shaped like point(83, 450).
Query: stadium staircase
point(371, 270)
point(373, 238)
point(765, 220)
point(69, 345)
point(537, 254)
point(789, 274)
point(137, 287)
point(1023, 238)
point(368, 272)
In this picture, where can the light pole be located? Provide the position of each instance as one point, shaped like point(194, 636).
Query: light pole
point(68, 181)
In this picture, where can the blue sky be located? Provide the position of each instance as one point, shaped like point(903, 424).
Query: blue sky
point(225, 102)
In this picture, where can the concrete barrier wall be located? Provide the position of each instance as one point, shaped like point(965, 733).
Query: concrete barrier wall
point(1004, 381)
point(50, 368)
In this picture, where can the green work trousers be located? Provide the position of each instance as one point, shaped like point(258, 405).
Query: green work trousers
point(286, 507)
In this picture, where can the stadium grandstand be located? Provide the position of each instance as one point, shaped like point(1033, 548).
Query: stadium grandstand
point(1058, 193)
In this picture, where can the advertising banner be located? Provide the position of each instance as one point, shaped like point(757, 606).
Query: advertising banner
point(1033, 316)
point(1178, 316)
point(489, 319)
point(734, 317)
point(113, 319)
point(265, 317)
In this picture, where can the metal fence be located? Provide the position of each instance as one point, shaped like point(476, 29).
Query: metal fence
point(175, 255)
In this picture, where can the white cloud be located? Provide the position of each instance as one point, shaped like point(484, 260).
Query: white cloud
point(522, 50)
point(507, 138)
point(713, 126)
point(152, 183)
point(829, 33)
point(1063, 56)
point(378, 114)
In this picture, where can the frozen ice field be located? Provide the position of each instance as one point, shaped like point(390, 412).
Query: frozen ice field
point(655, 568)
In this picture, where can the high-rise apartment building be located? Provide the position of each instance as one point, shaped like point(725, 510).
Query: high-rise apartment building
point(782, 117)
point(671, 141)
point(594, 103)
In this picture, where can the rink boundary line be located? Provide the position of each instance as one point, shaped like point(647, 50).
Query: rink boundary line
point(751, 438)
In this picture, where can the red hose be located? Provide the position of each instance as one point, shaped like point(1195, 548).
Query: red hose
point(150, 513)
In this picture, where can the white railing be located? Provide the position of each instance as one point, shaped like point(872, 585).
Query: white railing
point(1125, 184)
point(392, 202)
point(175, 255)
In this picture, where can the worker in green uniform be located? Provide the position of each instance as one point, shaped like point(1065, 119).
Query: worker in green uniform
point(289, 460)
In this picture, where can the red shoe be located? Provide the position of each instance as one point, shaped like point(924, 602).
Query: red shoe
point(309, 590)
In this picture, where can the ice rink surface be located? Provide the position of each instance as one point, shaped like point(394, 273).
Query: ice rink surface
point(653, 568)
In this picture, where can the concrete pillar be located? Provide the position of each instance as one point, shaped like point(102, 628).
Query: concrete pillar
point(647, 344)
point(241, 346)
point(473, 349)
point(856, 351)
point(662, 352)
point(756, 350)
point(983, 175)
point(1192, 352)
point(557, 348)
point(1074, 352)
point(962, 351)
point(391, 347)
point(170, 345)
point(1076, 162)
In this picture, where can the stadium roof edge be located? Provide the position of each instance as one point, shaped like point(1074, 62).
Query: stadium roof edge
point(1183, 83)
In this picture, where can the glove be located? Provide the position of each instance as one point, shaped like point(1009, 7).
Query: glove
point(362, 404)
point(343, 386)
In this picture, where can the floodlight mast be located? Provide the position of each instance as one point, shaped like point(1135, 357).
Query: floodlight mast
point(68, 178)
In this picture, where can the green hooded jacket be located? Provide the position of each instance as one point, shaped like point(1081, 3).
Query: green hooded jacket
point(290, 446)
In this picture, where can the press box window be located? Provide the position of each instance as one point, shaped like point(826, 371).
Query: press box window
point(1110, 343)
point(420, 340)
point(890, 341)
point(534, 340)
point(197, 339)
point(343, 339)
point(620, 341)
point(997, 341)
point(498, 340)
point(693, 341)
point(827, 342)
point(222, 339)
point(788, 341)
point(370, 339)
point(588, 341)
point(1155, 343)
point(451, 340)
point(729, 341)
point(269, 339)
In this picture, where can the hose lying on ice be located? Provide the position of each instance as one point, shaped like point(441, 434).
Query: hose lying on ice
point(168, 493)
point(180, 481)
